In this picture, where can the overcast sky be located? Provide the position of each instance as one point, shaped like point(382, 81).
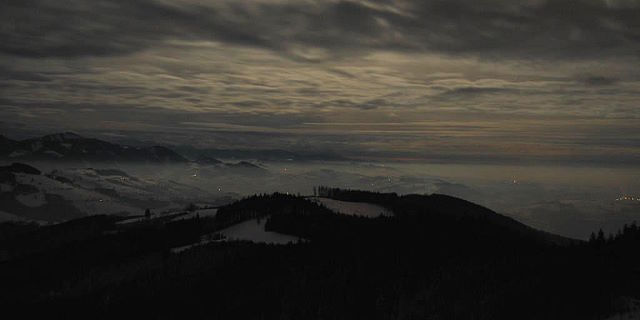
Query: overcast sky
point(481, 80)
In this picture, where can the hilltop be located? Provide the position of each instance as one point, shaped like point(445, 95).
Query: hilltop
point(423, 257)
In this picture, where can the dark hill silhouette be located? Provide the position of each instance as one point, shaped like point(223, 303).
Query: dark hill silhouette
point(6, 143)
point(205, 160)
point(17, 167)
point(69, 146)
point(244, 165)
point(440, 206)
point(438, 257)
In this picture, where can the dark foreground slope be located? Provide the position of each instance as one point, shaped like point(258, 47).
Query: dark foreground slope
point(437, 258)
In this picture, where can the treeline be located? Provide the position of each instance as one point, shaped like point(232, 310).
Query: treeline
point(52, 257)
point(355, 195)
point(438, 209)
point(265, 205)
point(627, 234)
point(438, 258)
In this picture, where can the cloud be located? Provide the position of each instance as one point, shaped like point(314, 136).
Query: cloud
point(474, 91)
point(479, 80)
point(508, 29)
point(10, 74)
point(599, 81)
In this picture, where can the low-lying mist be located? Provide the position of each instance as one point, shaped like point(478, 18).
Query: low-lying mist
point(570, 201)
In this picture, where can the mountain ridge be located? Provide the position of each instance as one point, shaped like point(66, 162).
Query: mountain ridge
point(69, 146)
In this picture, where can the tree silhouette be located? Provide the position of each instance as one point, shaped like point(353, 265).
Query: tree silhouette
point(600, 239)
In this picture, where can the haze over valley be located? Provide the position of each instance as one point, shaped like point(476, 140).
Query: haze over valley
point(570, 201)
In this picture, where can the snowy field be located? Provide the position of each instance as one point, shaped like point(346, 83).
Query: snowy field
point(253, 230)
point(5, 216)
point(99, 191)
point(361, 209)
point(200, 213)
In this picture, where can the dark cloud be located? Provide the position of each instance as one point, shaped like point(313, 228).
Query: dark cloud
point(348, 103)
point(45, 28)
point(10, 74)
point(367, 77)
point(518, 29)
point(529, 28)
point(599, 81)
point(473, 91)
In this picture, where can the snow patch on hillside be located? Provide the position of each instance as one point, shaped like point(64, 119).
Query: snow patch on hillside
point(253, 230)
point(5, 216)
point(53, 153)
point(163, 194)
point(88, 201)
point(32, 200)
point(132, 220)
point(18, 153)
point(200, 213)
point(361, 209)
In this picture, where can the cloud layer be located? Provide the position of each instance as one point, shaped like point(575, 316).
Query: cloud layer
point(531, 28)
point(489, 79)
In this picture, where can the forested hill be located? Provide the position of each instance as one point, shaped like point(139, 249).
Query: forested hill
point(436, 257)
point(441, 207)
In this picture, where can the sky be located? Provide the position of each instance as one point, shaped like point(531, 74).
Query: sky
point(450, 80)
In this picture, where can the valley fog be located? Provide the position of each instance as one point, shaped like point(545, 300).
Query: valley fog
point(570, 201)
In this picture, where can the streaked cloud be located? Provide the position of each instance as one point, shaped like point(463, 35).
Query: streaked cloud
point(453, 79)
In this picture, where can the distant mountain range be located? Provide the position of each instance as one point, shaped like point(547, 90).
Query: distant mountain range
point(72, 147)
point(69, 146)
